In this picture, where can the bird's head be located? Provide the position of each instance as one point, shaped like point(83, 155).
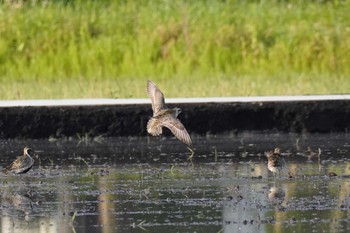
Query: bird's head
point(277, 150)
point(177, 111)
point(28, 151)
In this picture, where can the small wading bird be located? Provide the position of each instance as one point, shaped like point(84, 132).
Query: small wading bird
point(22, 164)
point(274, 160)
point(165, 117)
point(310, 154)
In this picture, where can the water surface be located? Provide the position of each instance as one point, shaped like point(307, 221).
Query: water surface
point(149, 185)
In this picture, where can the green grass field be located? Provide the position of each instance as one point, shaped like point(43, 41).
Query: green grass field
point(108, 49)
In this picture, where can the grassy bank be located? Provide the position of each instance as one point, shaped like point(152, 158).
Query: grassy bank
point(73, 49)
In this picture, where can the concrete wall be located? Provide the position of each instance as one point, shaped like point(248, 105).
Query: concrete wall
point(109, 118)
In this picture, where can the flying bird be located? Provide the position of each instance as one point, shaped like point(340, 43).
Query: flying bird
point(165, 117)
point(22, 164)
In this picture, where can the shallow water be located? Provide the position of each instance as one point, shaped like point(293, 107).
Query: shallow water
point(148, 184)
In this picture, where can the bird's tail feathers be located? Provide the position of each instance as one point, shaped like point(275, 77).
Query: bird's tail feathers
point(153, 127)
point(5, 171)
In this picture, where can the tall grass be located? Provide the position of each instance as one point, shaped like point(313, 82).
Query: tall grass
point(72, 49)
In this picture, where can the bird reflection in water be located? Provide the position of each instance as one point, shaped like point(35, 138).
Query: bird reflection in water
point(13, 203)
point(277, 196)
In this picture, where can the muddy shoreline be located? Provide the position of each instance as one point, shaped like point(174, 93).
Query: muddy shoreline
point(199, 117)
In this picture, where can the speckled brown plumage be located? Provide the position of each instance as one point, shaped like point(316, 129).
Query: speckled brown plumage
point(165, 117)
point(22, 164)
point(274, 162)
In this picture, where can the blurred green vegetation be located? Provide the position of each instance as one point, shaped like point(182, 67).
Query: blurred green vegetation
point(109, 48)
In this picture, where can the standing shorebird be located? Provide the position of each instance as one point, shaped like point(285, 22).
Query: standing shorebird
point(274, 163)
point(165, 117)
point(310, 154)
point(22, 164)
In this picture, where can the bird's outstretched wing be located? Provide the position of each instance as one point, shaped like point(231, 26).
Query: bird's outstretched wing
point(178, 129)
point(156, 96)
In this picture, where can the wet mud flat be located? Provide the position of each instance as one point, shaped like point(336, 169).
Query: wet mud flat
point(146, 184)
